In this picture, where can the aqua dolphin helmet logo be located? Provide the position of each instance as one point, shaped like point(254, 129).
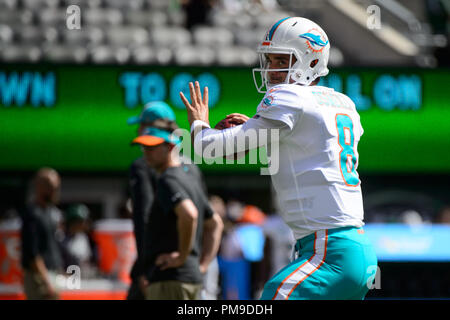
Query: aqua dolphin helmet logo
point(268, 101)
point(314, 40)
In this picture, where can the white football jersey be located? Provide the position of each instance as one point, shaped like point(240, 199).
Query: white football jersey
point(317, 184)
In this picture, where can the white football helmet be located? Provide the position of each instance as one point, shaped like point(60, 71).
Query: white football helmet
point(297, 37)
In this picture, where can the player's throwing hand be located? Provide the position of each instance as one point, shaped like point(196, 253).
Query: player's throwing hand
point(198, 108)
point(231, 120)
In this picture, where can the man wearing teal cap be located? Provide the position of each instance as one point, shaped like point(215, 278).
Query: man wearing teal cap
point(142, 181)
point(156, 119)
point(153, 111)
point(183, 232)
point(157, 146)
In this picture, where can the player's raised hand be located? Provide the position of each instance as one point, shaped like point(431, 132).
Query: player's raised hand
point(198, 108)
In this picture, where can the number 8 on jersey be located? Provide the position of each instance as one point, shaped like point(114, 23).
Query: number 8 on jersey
point(347, 157)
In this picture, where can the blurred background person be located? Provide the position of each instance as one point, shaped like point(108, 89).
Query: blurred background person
point(184, 233)
point(141, 184)
point(443, 215)
point(244, 263)
point(279, 243)
point(41, 255)
point(197, 11)
point(142, 188)
point(78, 247)
point(211, 280)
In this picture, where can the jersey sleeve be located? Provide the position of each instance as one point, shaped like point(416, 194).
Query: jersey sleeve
point(226, 142)
point(282, 104)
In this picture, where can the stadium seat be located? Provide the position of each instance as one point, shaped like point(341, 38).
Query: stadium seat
point(11, 16)
point(221, 19)
point(83, 4)
point(249, 37)
point(84, 36)
point(143, 55)
point(177, 18)
point(27, 17)
point(240, 20)
point(126, 36)
point(8, 4)
point(336, 57)
point(53, 3)
point(122, 55)
point(158, 18)
point(108, 54)
point(52, 16)
point(146, 18)
point(125, 5)
point(170, 37)
point(51, 34)
point(101, 17)
point(151, 55)
point(228, 56)
point(29, 35)
point(22, 53)
point(266, 20)
point(195, 55)
point(243, 21)
point(212, 36)
point(65, 53)
point(39, 4)
point(158, 4)
point(102, 54)
point(248, 56)
point(236, 56)
point(164, 56)
point(6, 34)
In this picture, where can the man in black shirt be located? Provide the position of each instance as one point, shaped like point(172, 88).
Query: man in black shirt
point(142, 185)
point(41, 255)
point(184, 233)
point(142, 181)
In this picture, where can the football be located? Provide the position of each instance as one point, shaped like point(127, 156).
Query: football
point(229, 123)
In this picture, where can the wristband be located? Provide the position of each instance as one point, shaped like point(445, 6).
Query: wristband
point(197, 123)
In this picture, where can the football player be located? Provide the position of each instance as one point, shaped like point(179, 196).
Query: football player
point(317, 182)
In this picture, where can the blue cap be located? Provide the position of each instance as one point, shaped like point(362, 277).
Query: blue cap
point(154, 136)
point(153, 111)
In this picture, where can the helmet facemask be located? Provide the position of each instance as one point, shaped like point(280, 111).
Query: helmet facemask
point(263, 83)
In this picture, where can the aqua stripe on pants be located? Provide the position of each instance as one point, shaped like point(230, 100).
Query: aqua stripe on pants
point(333, 264)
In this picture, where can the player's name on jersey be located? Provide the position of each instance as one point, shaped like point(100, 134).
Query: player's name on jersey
point(332, 100)
point(387, 92)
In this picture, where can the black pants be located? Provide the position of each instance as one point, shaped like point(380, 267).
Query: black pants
point(134, 292)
